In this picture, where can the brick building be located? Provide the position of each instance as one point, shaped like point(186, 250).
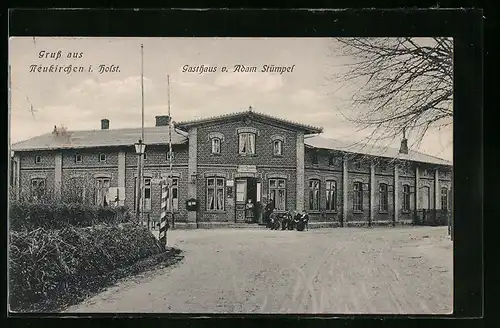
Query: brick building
point(230, 161)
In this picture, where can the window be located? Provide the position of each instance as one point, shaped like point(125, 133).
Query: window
point(147, 194)
point(331, 195)
point(246, 143)
point(383, 167)
point(277, 147)
point(357, 197)
point(78, 158)
point(277, 193)
point(37, 188)
point(315, 158)
point(241, 187)
point(101, 191)
point(314, 195)
point(167, 156)
point(38, 159)
point(215, 194)
point(425, 198)
point(102, 157)
point(383, 198)
point(174, 192)
point(215, 146)
point(357, 165)
point(444, 198)
point(406, 198)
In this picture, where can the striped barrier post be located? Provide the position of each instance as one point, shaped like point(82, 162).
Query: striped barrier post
point(163, 215)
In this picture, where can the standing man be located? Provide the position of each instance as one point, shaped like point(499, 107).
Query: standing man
point(269, 209)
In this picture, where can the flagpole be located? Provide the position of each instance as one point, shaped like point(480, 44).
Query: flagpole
point(170, 153)
point(9, 105)
point(142, 135)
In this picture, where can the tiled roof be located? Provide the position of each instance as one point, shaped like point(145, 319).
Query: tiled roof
point(101, 138)
point(326, 143)
point(305, 127)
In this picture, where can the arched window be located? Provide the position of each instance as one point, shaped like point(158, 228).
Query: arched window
point(383, 198)
point(314, 194)
point(215, 146)
point(357, 199)
point(425, 198)
point(331, 195)
point(406, 198)
point(277, 147)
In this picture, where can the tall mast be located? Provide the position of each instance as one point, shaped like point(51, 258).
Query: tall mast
point(142, 90)
point(170, 151)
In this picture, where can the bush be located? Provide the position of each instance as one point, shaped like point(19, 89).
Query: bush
point(46, 263)
point(55, 215)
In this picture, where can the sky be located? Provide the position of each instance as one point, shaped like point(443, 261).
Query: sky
point(79, 100)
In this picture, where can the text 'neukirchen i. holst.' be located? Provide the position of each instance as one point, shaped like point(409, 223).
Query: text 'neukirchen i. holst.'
point(69, 68)
point(200, 69)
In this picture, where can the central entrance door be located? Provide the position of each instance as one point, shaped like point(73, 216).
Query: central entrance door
point(246, 199)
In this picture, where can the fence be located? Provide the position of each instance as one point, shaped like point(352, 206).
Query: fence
point(433, 217)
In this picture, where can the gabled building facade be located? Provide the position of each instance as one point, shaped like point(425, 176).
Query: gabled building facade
point(227, 163)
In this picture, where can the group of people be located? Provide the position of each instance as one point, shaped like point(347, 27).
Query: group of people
point(290, 220)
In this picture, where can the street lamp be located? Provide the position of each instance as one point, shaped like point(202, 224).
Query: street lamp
point(140, 148)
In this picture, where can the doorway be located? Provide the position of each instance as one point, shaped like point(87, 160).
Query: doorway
point(246, 199)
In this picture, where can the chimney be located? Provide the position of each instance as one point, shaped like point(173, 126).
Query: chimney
point(104, 124)
point(404, 144)
point(162, 120)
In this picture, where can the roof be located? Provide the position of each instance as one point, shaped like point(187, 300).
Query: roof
point(308, 129)
point(101, 138)
point(367, 149)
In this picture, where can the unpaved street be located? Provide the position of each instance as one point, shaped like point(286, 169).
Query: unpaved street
point(404, 270)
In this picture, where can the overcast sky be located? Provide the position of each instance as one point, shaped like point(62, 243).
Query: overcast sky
point(80, 100)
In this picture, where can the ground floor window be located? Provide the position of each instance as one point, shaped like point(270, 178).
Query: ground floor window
point(37, 188)
point(101, 191)
point(406, 198)
point(383, 198)
point(174, 193)
point(147, 195)
point(357, 200)
point(444, 198)
point(331, 195)
point(314, 195)
point(277, 193)
point(425, 198)
point(215, 194)
point(76, 191)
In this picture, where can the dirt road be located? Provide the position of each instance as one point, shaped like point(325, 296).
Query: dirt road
point(403, 270)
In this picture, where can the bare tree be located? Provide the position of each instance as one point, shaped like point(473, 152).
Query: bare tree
point(399, 85)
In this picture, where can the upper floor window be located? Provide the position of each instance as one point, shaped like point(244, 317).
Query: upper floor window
point(357, 199)
point(215, 194)
point(444, 198)
point(331, 195)
point(37, 188)
point(357, 165)
point(102, 157)
point(277, 193)
point(278, 147)
point(168, 154)
point(383, 167)
point(246, 143)
point(406, 198)
point(215, 145)
point(383, 198)
point(78, 158)
point(38, 159)
point(314, 194)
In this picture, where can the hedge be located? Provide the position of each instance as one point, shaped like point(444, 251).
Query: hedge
point(43, 264)
point(56, 215)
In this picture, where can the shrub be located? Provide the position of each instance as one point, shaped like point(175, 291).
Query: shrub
point(55, 215)
point(45, 263)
